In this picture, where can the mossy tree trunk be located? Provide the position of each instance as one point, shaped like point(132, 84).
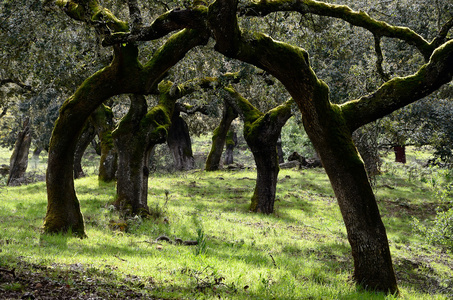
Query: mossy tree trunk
point(179, 142)
point(131, 143)
point(261, 132)
point(102, 119)
point(18, 162)
point(219, 137)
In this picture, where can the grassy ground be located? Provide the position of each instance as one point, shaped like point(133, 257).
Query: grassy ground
point(300, 252)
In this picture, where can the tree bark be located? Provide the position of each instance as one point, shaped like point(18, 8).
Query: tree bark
point(179, 142)
point(219, 137)
point(102, 119)
point(18, 162)
point(137, 133)
point(261, 132)
point(85, 139)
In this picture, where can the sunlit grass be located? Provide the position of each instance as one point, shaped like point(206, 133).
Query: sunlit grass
point(299, 252)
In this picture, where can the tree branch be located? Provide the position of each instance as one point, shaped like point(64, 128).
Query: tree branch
point(380, 58)
point(402, 91)
point(168, 22)
point(135, 15)
point(16, 82)
point(343, 12)
point(442, 34)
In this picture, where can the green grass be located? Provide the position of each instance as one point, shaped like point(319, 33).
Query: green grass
point(300, 252)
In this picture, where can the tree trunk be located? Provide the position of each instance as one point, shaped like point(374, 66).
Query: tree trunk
point(85, 139)
point(124, 75)
point(136, 135)
point(366, 233)
point(219, 137)
point(400, 153)
point(102, 119)
point(267, 169)
point(179, 142)
point(261, 132)
point(19, 159)
point(231, 142)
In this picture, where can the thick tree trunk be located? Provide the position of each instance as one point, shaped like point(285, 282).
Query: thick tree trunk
point(366, 233)
point(102, 119)
point(137, 133)
point(85, 139)
point(179, 142)
point(267, 169)
point(230, 143)
point(219, 137)
point(18, 162)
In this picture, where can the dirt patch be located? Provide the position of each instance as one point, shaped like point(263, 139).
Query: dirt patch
point(29, 281)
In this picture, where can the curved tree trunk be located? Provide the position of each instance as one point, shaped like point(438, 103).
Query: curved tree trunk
point(18, 162)
point(179, 142)
point(102, 119)
point(85, 139)
point(219, 137)
point(329, 127)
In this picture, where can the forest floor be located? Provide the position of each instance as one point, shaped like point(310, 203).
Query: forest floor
point(299, 252)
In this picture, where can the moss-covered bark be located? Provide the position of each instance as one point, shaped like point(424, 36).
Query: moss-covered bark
point(219, 137)
point(102, 119)
point(261, 132)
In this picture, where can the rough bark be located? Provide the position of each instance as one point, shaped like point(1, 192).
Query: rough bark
point(85, 139)
point(18, 162)
point(219, 137)
point(179, 142)
point(261, 132)
point(131, 142)
point(102, 119)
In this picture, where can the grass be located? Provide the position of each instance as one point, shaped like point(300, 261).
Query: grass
point(300, 252)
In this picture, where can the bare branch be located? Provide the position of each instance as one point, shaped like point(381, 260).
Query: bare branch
point(442, 34)
point(380, 58)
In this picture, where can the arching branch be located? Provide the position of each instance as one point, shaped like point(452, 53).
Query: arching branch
point(402, 91)
point(343, 12)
